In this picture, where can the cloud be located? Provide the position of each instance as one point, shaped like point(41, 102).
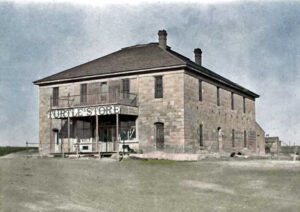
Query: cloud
point(253, 44)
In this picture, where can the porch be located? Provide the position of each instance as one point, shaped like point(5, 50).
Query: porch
point(94, 135)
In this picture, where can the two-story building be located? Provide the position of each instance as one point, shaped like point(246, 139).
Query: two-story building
point(148, 98)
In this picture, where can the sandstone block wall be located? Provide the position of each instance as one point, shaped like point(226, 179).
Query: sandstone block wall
point(168, 110)
point(212, 117)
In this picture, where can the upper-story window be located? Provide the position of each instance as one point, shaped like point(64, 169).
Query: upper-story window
point(158, 87)
point(244, 104)
point(104, 91)
point(83, 93)
point(200, 90)
point(126, 87)
point(232, 101)
point(55, 96)
point(218, 96)
point(104, 87)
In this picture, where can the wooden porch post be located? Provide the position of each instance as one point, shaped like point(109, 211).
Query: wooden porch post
point(61, 140)
point(68, 124)
point(97, 133)
point(117, 134)
point(69, 133)
point(50, 126)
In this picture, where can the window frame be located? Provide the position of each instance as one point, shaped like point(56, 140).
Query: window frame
point(200, 90)
point(201, 135)
point(55, 96)
point(233, 137)
point(245, 139)
point(232, 101)
point(244, 104)
point(218, 96)
point(158, 87)
point(83, 93)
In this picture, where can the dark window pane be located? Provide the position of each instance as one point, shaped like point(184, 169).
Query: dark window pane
point(200, 90)
point(126, 88)
point(233, 138)
point(218, 96)
point(201, 135)
point(55, 96)
point(83, 93)
point(158, 87)
point(232, 101)
point(245, 138)
point(159, 135)
point(244, 104)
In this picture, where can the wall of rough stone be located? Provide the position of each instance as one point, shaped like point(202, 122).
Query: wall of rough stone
point(212, 117)
point(47, 125)
point(168, 110)
point(180, 110)
point(261, 143)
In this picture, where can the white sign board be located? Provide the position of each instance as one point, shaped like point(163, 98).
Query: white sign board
point(83, 111)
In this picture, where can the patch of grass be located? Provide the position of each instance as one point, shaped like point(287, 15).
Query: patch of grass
point(154, 162)
point(9, 149)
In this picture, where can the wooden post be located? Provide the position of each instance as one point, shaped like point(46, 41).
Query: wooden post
point(117, 136)
point(97, 139)
point(61, 140)
point(69, 134)
point(51, 139)
point(68, 124)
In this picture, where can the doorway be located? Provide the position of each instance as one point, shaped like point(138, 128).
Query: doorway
point(159, 135)
point(220, 139)
point(57, 146)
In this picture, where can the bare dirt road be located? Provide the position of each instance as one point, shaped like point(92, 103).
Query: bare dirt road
point(55, 184)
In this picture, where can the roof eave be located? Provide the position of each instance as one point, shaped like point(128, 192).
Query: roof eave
point(45, 82)
point(219, 79)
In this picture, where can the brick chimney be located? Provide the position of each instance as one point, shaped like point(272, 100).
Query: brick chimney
point(162, 38)
point(198, 56)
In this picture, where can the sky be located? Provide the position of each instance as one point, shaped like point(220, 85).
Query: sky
point(253, 43)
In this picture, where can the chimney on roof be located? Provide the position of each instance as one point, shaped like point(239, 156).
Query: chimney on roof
point(162, 38)
point(198, 56)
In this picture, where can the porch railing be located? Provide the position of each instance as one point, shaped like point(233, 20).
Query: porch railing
point(121, 98)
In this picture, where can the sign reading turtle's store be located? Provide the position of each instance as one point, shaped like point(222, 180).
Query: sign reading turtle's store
point(83, 111)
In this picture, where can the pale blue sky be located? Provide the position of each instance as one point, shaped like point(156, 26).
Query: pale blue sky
point(254, 44)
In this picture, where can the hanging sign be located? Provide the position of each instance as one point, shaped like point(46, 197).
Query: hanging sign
point(83, 111)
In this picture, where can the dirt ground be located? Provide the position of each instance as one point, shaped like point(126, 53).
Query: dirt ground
point(56, 184)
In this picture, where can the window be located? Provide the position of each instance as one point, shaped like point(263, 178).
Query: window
point(126, 88)
point(55, 96)
point(104, 92)
point(83, 129)
point(104, 87)
point(201, 135)
point(245, 139)
point(218, 96)
point(232, 101)
point(83, 93)
point(244, 104)
point(233, 138)
point(158, 87)
point(200, 90)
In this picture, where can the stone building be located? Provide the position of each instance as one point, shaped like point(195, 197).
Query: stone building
point(144, 98)
point(260, 140)
point(273, 144)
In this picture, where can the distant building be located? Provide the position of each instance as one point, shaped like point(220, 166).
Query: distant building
point(260, 140)
point(149, 98)
point(273, 145)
